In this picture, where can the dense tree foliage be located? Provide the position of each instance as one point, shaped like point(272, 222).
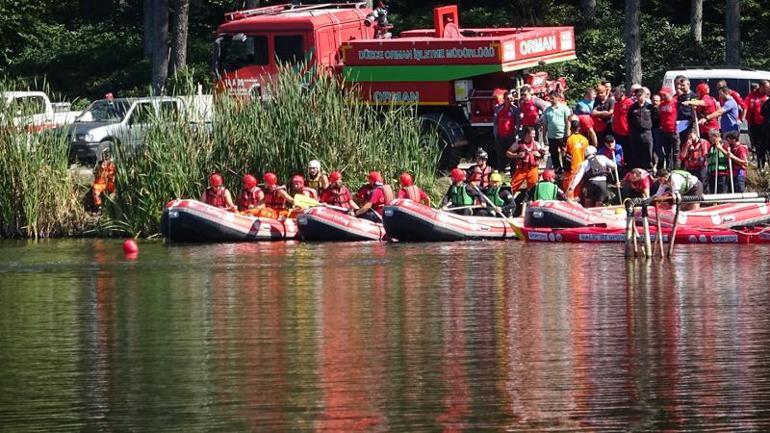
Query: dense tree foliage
point(85, 48)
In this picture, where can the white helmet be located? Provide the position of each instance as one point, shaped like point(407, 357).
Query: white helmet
point(590, 150)
point(314, 164)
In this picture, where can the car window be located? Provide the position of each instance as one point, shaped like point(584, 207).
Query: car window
point(240, 50)
point(29, 105)
point(142, 114)
point(169, 110)
point(289, 49)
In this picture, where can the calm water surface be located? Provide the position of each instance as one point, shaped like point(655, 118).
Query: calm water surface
point(464, 337)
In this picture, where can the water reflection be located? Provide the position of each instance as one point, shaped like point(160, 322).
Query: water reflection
point(376, 337)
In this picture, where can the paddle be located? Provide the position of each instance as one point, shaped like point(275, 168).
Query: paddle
point(516, 229)
point(302, 201)
point(475, 206)
point(617, 178)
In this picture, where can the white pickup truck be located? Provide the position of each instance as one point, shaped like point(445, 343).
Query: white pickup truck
point(34, 112)
point(126, 121)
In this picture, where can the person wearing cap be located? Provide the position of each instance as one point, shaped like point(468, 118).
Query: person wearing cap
point(251, 196)
point(337, 194)
point(706, 108)
point(639, 144)
point(595, 169)
point(501, 198)
point(276, 197)
point(297, 186)
point(217, 195)
point(411, 191)
point(681, 182)
point(505, 124)
point(460, 194)
point(316, 179)
point(481, 167)
point(380, 195)
point(105, 172)
point(577, 144)
point(669, 137)
point(546, 189)
point(637, 183)
point(526, 155)
point(693, 155)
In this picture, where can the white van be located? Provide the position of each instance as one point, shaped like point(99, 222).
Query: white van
point(737, 79)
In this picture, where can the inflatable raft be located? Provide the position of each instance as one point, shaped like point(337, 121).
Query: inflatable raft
point(324, 224)
point(194, 221)
point(685, 235)
point(408, 221)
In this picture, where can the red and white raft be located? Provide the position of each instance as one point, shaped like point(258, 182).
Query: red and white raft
point(194, 221)
point(684, 235)
point(727, 215)
point(565, 214)
point(324, 224)
point(408, 221)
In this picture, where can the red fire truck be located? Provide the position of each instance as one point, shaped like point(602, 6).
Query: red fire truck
point(448, 72)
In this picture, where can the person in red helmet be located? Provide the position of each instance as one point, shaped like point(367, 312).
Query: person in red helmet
point(276, 197)
point(380, 195)
point(217, 195)
point(706, 108)
point(460, 195)
point(363, 193)
point(546, 189)
point(411, 191)
point(337, 194)
point(297, 186)
point(251, 196)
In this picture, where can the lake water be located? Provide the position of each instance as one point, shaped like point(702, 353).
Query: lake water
point(464, 337)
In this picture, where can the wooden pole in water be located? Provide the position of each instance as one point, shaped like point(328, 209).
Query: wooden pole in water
point(646, 227)
point(672, 236)
point(659, 235)
point(630, 235)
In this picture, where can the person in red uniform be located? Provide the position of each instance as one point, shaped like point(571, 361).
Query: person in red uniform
point(586, 128)
point(297, 186)
point(530, 107)
point(756, 120)
point(706, 108)
point(411, 191)
point(667, 112)
point(381, 194)
point(481, 167)
point(505, 123)
point(739, 156)
point(217, 195)
point(693, 156)
point(337, 194)
point(637, 183)
point(620, 128)
point(251, 196)
point(276, 197)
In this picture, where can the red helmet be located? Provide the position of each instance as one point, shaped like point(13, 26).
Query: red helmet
point(549, 175)
point(335, 176)
point(216, 180)
point(271, 179)
point(375, 176)
point(457, 175)
point(249, 181)
point(406, 179)
point(702, 89)
point(298, 179)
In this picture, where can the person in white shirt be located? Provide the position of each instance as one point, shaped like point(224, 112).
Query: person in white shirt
point(682, 182)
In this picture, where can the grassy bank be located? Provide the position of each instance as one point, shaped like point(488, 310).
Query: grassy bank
point(323, 121)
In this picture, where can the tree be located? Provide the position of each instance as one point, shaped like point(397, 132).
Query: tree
point(148, 27)
point(696, 20)
point(633, 44)
point(160, 47)
point(733, 33)
point(588, 9)
point(179, 35)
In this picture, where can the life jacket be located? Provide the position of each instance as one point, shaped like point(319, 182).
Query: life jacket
point(364, 194)
point(494, 196)
point(337, 197)
point(105, 174)
point(389, 196)
point(717, 161)
point(315, 183)
point(596, 168)
point(545, 190)
point(412, 193)
point(459, 196)
point(696, 157)
point(248, 199)
point(690, 180)
point(216, 197)
point(529, 160)
point(273, 200)
point(483, 172)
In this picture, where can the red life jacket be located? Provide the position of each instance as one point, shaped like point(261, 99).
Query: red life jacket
point(248, 199)
point(484, 174)
point(696, 156)
point(412, 193)
point(216, 197)
point(273, 200)
point(529, 160)
point(337, 197)
point(387, 191)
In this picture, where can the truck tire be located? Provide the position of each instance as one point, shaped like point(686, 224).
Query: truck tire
point(449, 136)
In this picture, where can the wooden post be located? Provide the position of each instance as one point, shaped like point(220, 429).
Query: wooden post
point(659, 235)
point(672, 236)
point(646, 227)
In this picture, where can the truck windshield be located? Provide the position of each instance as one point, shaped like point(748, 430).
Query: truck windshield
point(239, 50)
point(105, 111)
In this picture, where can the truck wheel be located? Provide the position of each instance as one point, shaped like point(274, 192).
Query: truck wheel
point(441, 130)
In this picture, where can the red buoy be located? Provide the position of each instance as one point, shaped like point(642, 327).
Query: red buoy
point(130, 247)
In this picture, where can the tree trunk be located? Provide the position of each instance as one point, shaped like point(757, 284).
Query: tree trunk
point(696, 20)
point(251, 4)
point(733, 33)
point(160, 47)
point(588, 9)
point(148, 28)
point(633, 44)
point(179, 36)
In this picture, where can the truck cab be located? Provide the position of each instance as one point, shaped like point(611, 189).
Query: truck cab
point(34, 111)
point(251, 44)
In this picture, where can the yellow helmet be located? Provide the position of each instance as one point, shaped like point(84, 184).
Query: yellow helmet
point(495, 177)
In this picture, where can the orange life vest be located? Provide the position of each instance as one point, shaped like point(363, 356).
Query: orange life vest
point(273, 200)
point(248, 199)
